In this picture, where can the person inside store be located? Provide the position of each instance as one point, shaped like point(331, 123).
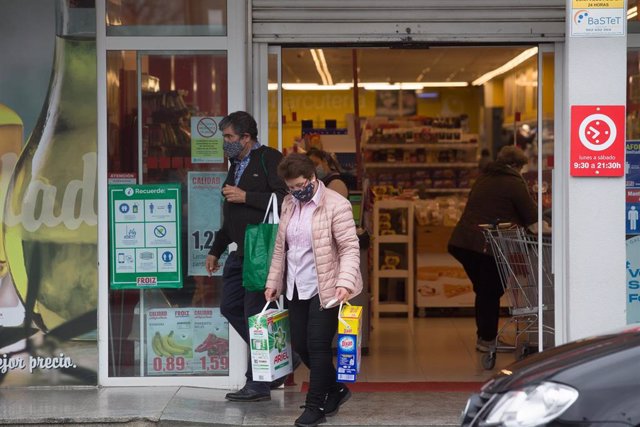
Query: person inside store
point(252, 178)
point(485, 160)
point(328, 170)
point(500, 194)
point(316, 264)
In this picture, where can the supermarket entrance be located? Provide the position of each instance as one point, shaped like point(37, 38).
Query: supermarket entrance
point(410, 142)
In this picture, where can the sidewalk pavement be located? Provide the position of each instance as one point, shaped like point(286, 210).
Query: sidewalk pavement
point(190, 406)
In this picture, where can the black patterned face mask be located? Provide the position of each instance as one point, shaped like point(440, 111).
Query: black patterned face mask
point(305, 193)
point(232, 149)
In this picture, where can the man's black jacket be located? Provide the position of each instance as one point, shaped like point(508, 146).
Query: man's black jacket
point(259, 180)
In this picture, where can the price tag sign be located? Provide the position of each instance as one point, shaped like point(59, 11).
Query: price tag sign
point(187, 341)
point(597, 140)
point(205, 218)
point(169, 341)
point(210, 342)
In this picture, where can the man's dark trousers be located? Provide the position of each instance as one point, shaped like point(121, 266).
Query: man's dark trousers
point(237, 306)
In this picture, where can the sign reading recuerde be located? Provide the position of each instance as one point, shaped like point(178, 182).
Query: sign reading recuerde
point(597, 140)
point(144, 244)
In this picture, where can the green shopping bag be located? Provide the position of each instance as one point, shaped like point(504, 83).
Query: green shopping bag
point(259, 240)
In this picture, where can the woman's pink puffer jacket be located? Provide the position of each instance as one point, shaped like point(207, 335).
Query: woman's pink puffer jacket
point(335, 247)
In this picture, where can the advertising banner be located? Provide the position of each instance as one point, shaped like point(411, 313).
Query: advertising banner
point(187, 341)
point(205, 207)
point(48, 200)
point(206, 140)
point(603, 18)
point(144, 224)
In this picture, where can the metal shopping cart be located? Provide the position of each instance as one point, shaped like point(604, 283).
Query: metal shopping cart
point(516, 253)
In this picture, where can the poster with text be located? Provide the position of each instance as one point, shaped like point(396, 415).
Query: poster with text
point(144, 244)
point(187, 341)
point(206, 140)
point(210, 342)
point(169, 341)
point(205, 218)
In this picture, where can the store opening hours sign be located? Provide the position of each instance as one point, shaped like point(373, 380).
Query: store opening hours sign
point(597, 140)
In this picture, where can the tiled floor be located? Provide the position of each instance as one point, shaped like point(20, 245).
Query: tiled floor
point(436, 349)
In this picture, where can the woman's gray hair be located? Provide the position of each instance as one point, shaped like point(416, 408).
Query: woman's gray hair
point(512, 155)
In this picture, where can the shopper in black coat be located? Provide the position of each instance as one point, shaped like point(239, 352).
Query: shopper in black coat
point(252, 178)
point(500, 194)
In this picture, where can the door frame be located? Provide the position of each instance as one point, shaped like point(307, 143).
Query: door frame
point(261, 51)
point(234, 45)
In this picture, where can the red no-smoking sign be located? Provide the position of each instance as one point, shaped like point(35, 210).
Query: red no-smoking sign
point(597, 140)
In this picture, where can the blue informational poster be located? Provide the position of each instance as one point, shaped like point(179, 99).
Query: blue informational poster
point(205, 218)
point(633, 279)
point(632, 164)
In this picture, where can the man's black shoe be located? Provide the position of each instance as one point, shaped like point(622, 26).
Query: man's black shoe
point(245, 394)
point(335, 399)
point(277, 383)
point(311, 417)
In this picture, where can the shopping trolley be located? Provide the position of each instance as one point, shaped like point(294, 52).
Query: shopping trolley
point(516, 254)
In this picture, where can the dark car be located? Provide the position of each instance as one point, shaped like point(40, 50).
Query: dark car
point(589, 382)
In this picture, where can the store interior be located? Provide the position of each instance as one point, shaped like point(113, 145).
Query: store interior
point(412, 135)
point(408, 141)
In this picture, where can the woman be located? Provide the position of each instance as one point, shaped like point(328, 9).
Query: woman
point(316, 263)
point(328, 170)
point(499, 195)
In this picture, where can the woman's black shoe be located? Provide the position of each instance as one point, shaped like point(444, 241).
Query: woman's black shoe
point(335, 399)
point(311, 417)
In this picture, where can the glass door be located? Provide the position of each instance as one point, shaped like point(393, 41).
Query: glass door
point(168, 86)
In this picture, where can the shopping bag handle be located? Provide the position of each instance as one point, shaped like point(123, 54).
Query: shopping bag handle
point(340, 319)
point(272, 208)
point(279, 304)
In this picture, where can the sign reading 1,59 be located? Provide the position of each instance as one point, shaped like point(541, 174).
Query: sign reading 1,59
point(202, 240)
point(214, 363)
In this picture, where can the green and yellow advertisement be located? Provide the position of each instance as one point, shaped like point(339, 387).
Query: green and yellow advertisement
point(48, 198)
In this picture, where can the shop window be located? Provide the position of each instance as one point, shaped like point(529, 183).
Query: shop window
point(166, 18)
point(160, 108)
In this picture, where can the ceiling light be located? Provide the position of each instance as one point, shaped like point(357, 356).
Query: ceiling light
point(313, 86)
point(506, 67)
point(323, 63)
point(632, 12)
point(319, 68)
point(367, 86)
point(410, 85)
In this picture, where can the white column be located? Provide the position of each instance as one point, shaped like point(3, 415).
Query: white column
point(592, 216)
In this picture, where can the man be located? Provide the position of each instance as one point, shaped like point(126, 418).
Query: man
point(252, 178)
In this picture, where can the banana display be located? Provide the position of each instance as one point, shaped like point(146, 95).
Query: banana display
point(165, 346)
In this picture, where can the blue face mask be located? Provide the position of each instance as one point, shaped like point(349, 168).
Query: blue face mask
point(305, 193)
point(232, 149)
point(320, 173)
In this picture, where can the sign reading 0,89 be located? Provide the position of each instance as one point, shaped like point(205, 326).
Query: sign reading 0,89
point(144, 231)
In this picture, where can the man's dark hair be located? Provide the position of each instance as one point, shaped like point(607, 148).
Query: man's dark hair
point(295, 165)
point(242, 123)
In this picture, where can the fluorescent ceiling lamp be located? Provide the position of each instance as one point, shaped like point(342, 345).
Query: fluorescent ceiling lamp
point(314, 86)
point(367, 86)
point(410, 85)
point(632, 12)
point(506, 67)
point(321, 66)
